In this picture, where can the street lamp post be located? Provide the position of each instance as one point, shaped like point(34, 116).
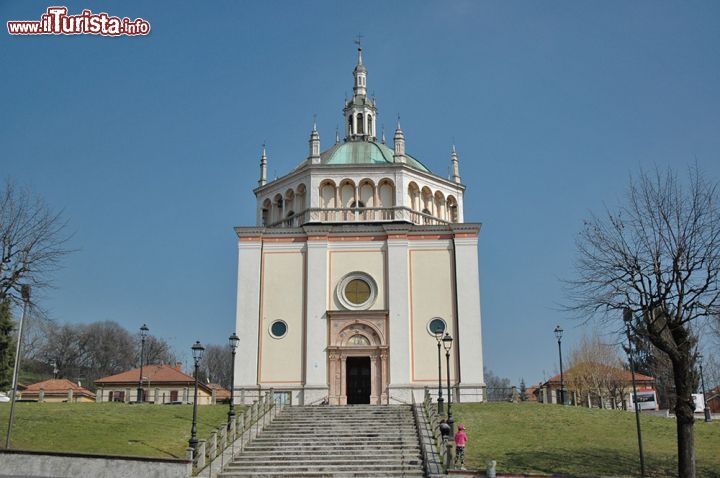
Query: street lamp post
point(438, 337)
point(234, 340)
point(140, 392)
point(558, 334)
point(197, 352)
point(706, 410)
point(627, 317)
point(447, 343)
point(25, 292)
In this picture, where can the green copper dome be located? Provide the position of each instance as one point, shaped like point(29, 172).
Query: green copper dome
point(364, 152)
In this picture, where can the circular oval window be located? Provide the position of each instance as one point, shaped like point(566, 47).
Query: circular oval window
point(436, 326)
point(278, 329)
point(357, 291)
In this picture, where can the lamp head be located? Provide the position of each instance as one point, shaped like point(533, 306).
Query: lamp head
point(144, 330)
point(25, 292)
point(234, 340)
point(447, 341)
point(197, 351)
point(558, 332)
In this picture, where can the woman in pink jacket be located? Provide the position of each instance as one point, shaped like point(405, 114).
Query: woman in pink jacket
point(461, 439)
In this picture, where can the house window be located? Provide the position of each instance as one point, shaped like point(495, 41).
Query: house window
point(116, 396)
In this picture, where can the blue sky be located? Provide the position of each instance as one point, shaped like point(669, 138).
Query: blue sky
point(151, 144)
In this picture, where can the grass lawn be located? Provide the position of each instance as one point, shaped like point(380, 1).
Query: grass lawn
point(531, 437)
point(112, 428)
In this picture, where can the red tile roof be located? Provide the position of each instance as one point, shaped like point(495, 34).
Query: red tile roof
point(155, 374)
point(57, 386)
point(626, 376)
point(221, 393)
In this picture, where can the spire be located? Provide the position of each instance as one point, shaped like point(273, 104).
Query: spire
point(454, 163)
point(314, 143)
point(360, 111)
point(263, 167)
point(399, 140)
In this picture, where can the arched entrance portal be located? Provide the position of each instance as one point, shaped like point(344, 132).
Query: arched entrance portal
point(358, 357)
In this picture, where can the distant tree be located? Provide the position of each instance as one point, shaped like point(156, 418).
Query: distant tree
point(649, 360)
point(32, 241)
point(523, 391)
point(109, 348)
point(64, 347)
point(7, 345)
point(216, 364)
point(157, 351)
point(595, 368)
point(497, 388)
point(658, 257)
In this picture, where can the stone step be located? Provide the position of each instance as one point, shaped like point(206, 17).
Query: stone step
point(329, 461)
point(312, 447)
point(371, 442)
point(325, 468)
point(340, 441)
point(359, 425)
point(265, 455)
point(340, 434)
point(303, 474)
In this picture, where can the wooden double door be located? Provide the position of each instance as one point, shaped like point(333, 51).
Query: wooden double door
point(358, 380)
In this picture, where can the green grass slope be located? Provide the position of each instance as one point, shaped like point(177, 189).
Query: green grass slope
point(531, 437)
point(109, 428)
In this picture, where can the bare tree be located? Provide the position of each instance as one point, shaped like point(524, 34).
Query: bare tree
point(64, 348)
point(216, 364)
point(659, 257)
point(32, 241)
point(596, 369)
point(157, 351)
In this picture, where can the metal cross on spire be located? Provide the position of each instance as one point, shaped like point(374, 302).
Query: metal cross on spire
point(358, 40)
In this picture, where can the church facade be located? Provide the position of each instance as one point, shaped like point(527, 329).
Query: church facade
point(359, 261)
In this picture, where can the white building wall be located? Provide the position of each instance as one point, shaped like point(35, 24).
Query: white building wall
point(398, 300)
point(469, 320)
point(247, 318)
point(316, 385)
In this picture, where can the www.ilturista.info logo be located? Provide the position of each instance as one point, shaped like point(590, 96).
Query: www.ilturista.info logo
point(56, 21)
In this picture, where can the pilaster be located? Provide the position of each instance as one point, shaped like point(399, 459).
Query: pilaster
point(247, 322)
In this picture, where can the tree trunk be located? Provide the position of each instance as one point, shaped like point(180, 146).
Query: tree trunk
point(684, 412)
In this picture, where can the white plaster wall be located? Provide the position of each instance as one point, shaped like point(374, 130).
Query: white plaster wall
point(398, 294)
point(343, 262)
point(469, 319)
point(316, 319)
point(247, 312)
point(432, 295)
point(282, 299)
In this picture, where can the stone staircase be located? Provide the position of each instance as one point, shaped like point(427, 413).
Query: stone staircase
point(334, 441)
